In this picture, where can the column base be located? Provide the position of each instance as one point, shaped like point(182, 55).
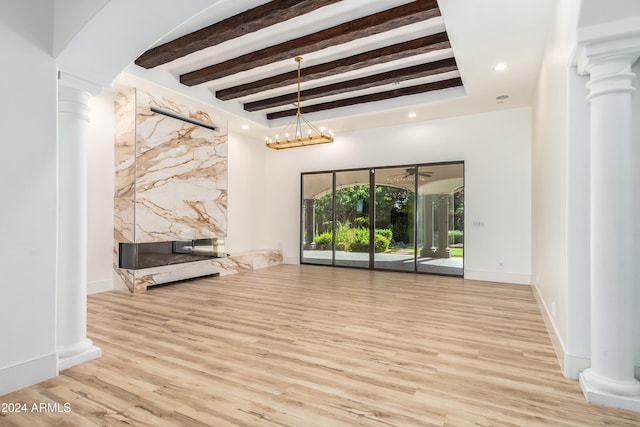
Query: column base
point(435, 253)
point(83, 352)
point(602, 391)
point(441, 253)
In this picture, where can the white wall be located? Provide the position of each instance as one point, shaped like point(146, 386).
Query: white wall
point(636, 146)
point(551, 202)
point(100, 189)
point(578, 292)
point(496, 148)
point(69, 17)
point(246, 227)
point(28, 189)
point(549, 156)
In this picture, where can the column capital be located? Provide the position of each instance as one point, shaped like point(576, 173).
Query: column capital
point(78, 83)
point(74, 102)
point(617, 41)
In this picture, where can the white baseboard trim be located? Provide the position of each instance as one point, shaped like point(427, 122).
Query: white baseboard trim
point(88, 355)
point(557, 343)
point(570, 365)
point(574, 365)
point(23, 375)
point(99, 286)
point(495, 276)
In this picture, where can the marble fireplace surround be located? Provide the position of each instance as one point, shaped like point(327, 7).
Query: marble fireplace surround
point(171, 185)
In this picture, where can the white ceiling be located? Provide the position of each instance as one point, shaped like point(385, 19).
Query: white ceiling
point(481, 32)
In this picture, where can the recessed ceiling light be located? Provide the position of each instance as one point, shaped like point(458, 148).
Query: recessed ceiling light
point(245, 127)
point(501, 66)
point(412, 115)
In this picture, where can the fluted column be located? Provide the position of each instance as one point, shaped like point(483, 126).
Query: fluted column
point(610, 379)
point(72, 345)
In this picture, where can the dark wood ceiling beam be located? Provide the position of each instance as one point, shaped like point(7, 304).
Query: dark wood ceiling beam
point(388, 77)
point(263, 16)
point(380, 96)
point(410, 13)
point(394, 52)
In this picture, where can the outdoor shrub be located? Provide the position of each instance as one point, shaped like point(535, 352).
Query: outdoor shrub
point(385, 232)
point(355, 239)
point(400, 232)
point(361, 222)
point(344, 236)
point(360, 242)
point(381, 242)
point(457, 235)
point(323, 240)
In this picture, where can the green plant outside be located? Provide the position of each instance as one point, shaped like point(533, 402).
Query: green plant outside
point(352, 239)
point(456, 235)
point(323, 240)
point(356, 239)
point(456, 252)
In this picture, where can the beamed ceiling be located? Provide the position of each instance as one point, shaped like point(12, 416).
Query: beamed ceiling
point(355, 52)
point(367, 63)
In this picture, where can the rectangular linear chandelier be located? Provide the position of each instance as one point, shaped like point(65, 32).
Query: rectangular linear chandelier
point(299, 132)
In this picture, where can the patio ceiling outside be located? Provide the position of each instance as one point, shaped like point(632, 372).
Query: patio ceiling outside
point(441, 179)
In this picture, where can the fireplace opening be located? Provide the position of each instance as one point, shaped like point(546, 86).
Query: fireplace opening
point(134, 256)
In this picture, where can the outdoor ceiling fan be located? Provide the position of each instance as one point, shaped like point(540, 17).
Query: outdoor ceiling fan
point(412, 171)
point(409, 176)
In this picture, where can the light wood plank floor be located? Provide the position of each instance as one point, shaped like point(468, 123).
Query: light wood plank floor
point(317, 346)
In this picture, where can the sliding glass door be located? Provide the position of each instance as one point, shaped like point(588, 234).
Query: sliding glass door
point(394, 218)
point(441, 219)
point(401, 218)
point(317, 218)
point(352, 219)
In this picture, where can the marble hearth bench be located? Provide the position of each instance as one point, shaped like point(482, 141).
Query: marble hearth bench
point(140, 279)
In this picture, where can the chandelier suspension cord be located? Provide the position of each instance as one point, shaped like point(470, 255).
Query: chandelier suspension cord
point(299, 60)
point(299, 112)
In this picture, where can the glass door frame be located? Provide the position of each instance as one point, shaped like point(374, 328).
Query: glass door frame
point(372, 213)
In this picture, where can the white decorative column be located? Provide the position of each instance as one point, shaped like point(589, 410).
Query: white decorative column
point(606, 54)
point(444, 203)
point(72, 345)
point(427, 226)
